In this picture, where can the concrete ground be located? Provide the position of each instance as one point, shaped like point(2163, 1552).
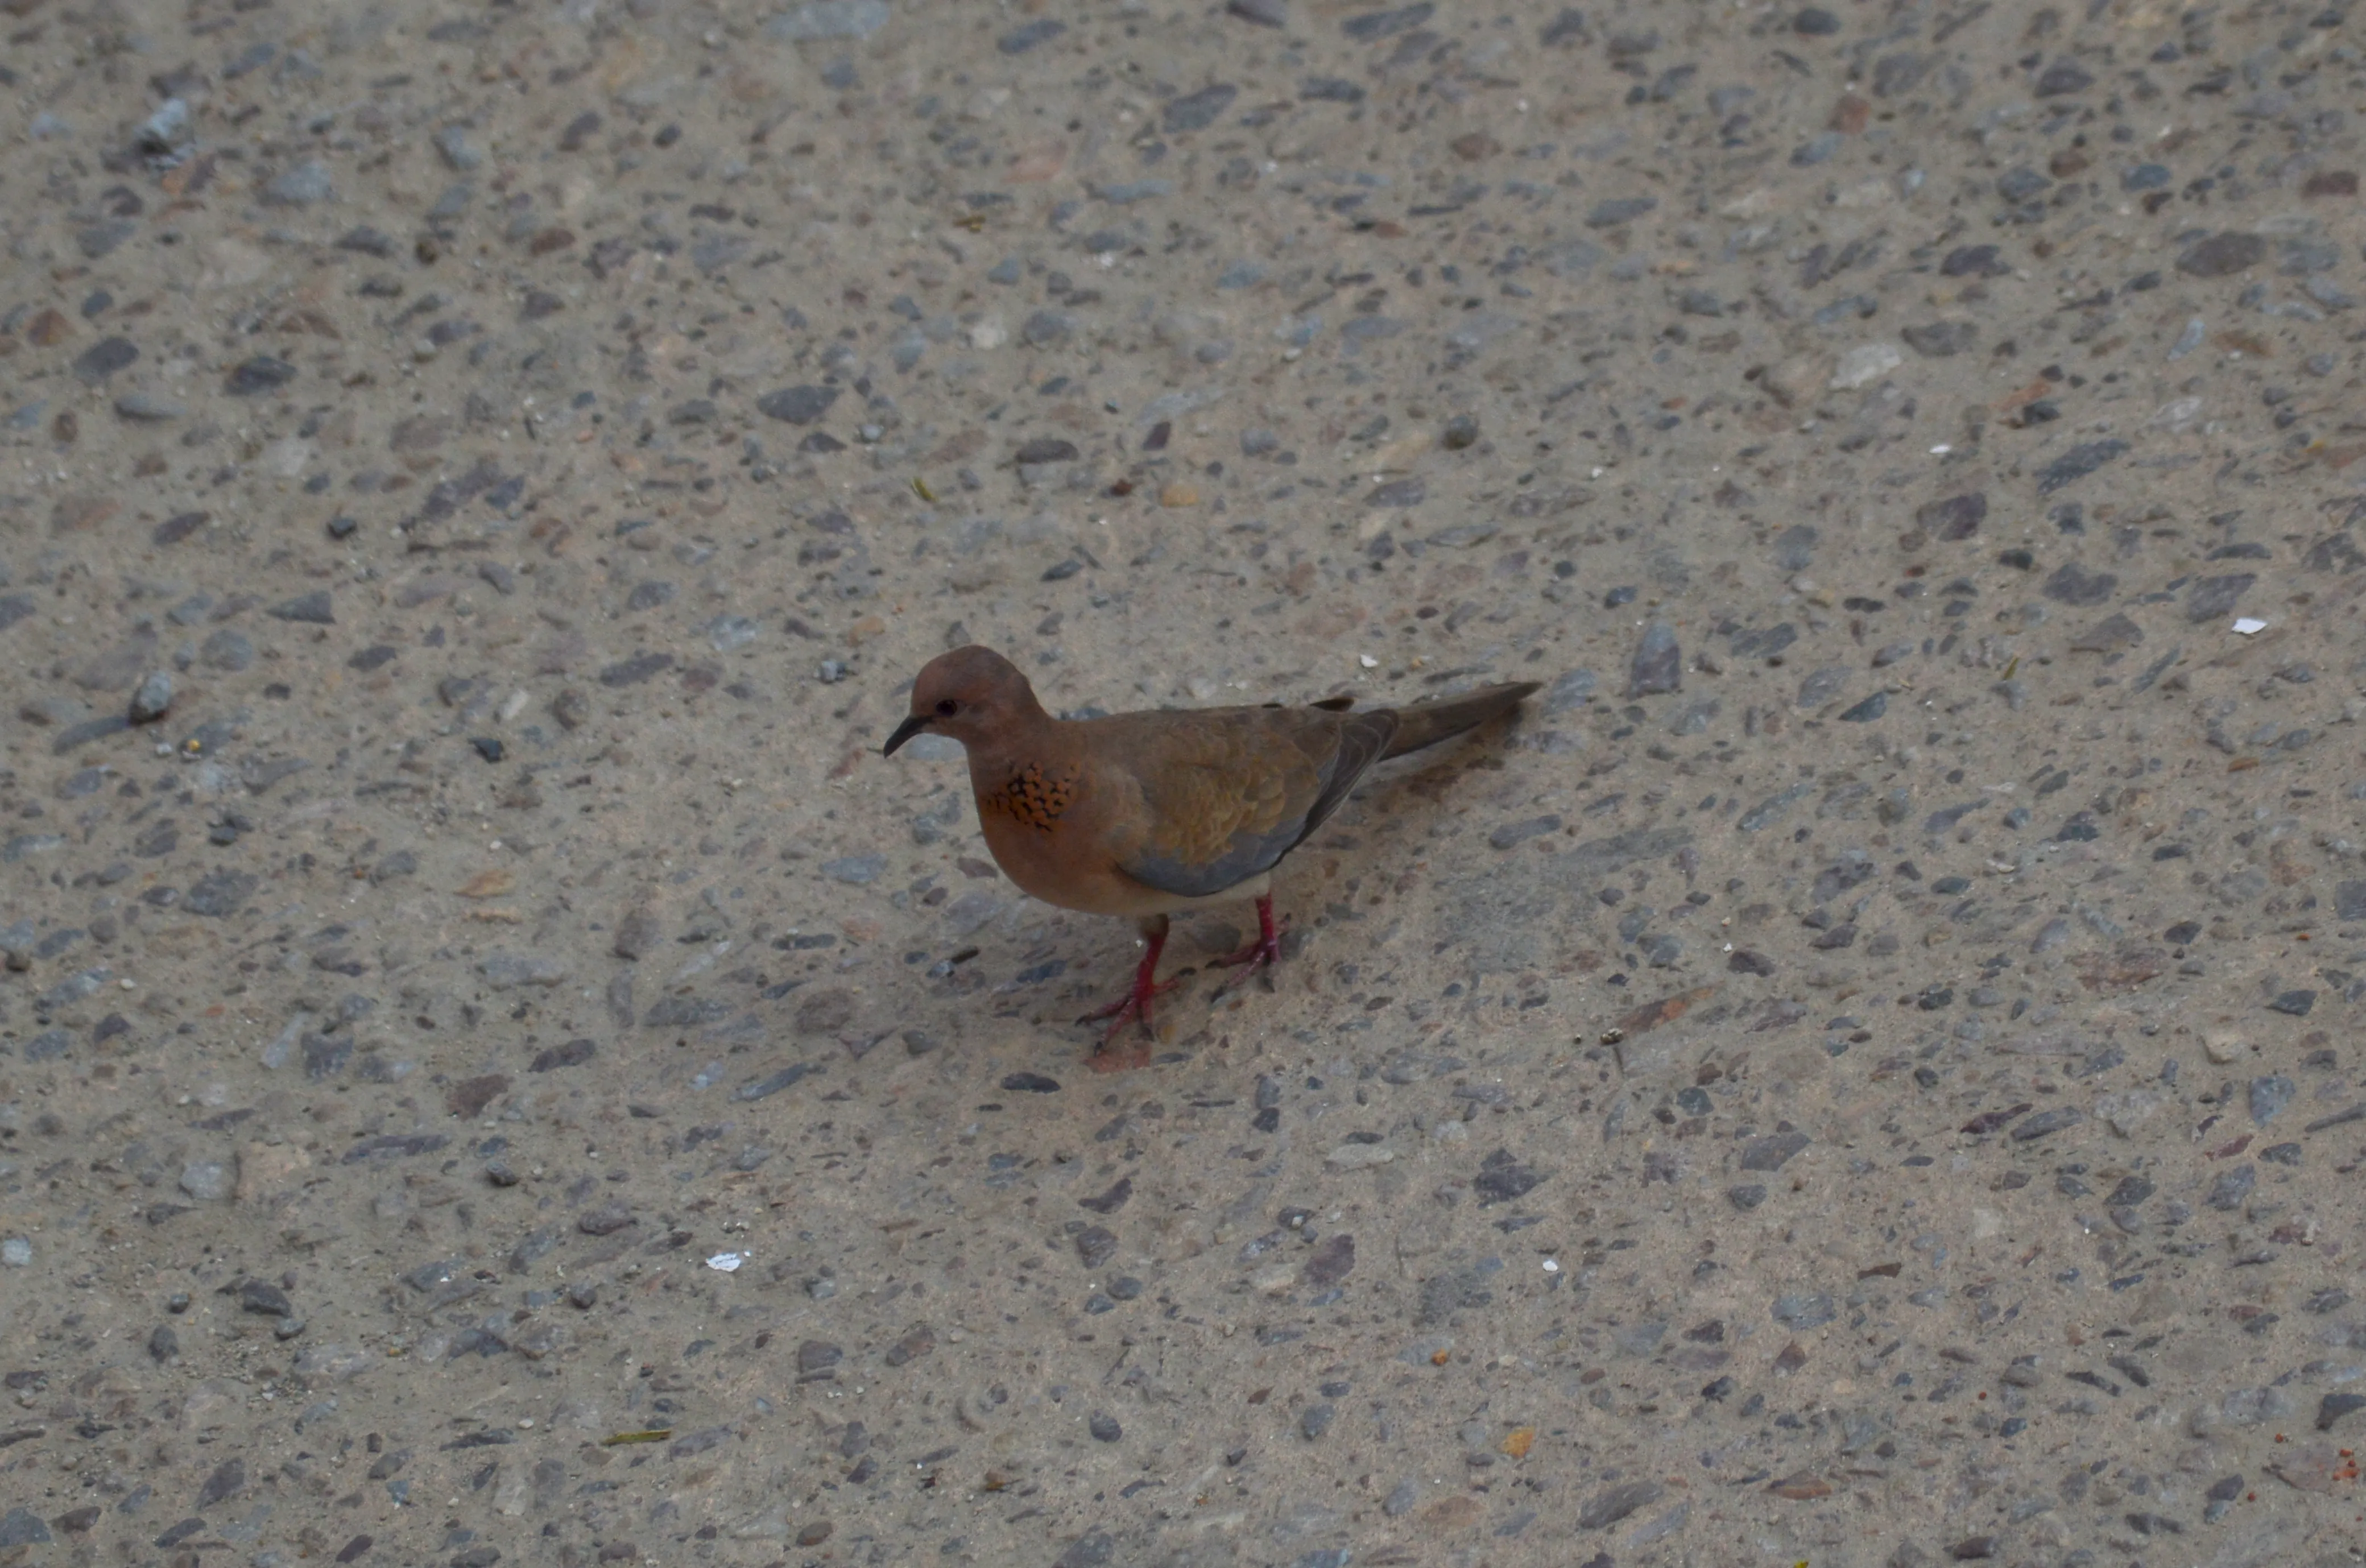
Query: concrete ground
point(495, 1067)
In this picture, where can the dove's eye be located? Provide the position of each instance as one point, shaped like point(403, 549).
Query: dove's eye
point(947, 708)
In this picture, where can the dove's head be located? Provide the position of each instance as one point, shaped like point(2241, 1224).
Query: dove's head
point(971, 694)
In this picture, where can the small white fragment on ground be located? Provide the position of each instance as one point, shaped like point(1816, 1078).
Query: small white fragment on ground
point(1552, 1265)
point(2247, 626)
point(1367, 661)
point(727, 1262)
point(1866, 362)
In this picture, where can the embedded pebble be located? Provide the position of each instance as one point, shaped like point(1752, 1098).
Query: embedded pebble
point(150, 407)
point(307, 182)
point(152, 698)
point(2268, 1096)
point(1657, 664)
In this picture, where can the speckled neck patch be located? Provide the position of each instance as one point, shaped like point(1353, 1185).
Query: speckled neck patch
point(1031, 797)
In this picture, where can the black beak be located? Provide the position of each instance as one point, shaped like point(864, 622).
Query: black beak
point(905, 731)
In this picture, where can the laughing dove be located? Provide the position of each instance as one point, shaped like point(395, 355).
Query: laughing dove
point(1145, 814)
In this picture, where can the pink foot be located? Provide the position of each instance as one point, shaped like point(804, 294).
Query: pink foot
point(1134, 1006)
point(1265, 950)
point(1131, 1007)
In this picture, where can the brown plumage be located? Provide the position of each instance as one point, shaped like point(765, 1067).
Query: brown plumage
point(1144, 814)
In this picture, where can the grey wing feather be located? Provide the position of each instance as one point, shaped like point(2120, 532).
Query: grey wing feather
point(1363, 740)
point(1250, 853)
point(1361, 743)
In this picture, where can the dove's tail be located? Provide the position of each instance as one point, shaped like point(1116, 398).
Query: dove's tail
point(1426, 724)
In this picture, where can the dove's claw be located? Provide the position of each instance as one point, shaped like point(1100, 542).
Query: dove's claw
point(1265, 950)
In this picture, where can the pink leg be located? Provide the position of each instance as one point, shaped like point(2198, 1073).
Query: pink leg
point(1135, 1004)
point(1265, 949)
